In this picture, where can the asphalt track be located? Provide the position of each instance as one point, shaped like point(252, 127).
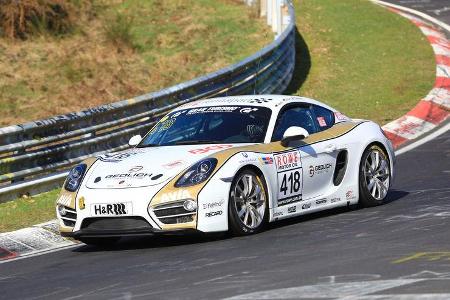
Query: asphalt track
point(439, 9)
point(400, 250)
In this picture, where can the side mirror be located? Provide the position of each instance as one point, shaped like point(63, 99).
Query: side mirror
point(135, 140)
point(292, 134)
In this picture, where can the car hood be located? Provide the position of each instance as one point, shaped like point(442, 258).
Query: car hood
point(141, 167)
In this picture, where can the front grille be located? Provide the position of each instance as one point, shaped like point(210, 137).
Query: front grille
point(121, 223)
point(70, 217)
point(173, 213)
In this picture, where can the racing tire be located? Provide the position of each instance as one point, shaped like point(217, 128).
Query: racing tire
point(248, 208)
point(374, 176)
point(99, 241)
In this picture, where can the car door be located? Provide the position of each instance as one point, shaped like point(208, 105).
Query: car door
point(320, 157)
point(288, 164)
point(317, 159)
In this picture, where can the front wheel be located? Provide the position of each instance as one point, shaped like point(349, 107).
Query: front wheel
point(248, 209)
point(374, 176)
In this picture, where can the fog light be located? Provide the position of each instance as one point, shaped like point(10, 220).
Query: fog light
point(62, 210)
point(190, 205)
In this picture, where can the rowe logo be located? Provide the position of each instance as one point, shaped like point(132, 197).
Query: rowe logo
point(287, 161)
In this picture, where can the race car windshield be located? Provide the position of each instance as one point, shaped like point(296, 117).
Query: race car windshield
point(210, 125)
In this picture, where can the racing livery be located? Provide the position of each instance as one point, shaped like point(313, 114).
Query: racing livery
point(231, 163)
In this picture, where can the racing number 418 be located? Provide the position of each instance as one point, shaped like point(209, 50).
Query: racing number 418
point(290, 184)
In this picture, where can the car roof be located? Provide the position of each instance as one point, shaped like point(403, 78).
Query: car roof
point(274, 102)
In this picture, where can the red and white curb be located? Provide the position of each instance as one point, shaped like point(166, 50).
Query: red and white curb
point(38, 239)
point(434, 109)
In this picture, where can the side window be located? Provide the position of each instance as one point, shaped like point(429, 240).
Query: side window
point(324, 117)
point(300, 116)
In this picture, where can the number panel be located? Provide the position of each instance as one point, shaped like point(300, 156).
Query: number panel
point(290, 186)
point(289, 177)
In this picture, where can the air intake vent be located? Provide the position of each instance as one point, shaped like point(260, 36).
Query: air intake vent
point(173, 213)
point(70, 218)
point(341, 166)
point(121, 223)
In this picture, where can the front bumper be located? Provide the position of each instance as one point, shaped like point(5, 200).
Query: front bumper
point(119, 227)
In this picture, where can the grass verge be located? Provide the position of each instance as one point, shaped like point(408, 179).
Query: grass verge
point(361, 59)
point(24, 212)
point(118, 49)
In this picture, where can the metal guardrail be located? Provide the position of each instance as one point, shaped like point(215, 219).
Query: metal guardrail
point(34, 156)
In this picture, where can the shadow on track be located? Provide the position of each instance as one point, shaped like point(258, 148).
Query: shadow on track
point(176, 240)
point(393, 196)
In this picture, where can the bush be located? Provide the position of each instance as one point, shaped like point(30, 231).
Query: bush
point(20, 19)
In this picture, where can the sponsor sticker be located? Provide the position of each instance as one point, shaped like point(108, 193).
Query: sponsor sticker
point(321, 201)
point(277, 214)
point(292, 209)
point(173, 164)
point(287, 161)
point(209, 148)
point(174, 196)
point(334, 200)
point(289, 200)
point(116, 157)
point(213, 205)
point(306, 206)
point(136, 169)
point(319, 169)
point(212, 109)
point(113, 209)
point(247, 110)
point(267, 160)
point(350, 195)
point(340, 117)
point(322, 121)
point(140, 175)
point(214, 213)
point(289, 175)
point(260, 100)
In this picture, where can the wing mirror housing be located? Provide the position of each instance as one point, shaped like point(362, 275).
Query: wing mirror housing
point(135, 140)
point(293, 133)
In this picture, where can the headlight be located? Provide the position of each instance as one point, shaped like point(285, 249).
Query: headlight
point(198, 173)
point(74, 178)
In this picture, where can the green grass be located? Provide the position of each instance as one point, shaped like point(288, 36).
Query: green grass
point(122, 49)
point(364, 60)
point(25, 212)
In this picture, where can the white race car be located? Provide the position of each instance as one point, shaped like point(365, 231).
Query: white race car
point(231, 163)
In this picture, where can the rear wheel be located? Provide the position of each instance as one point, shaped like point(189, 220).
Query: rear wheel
point(100, 241)
point(248, 208)
point(374, 176)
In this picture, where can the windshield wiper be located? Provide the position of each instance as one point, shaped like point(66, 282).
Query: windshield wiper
point(195, 142)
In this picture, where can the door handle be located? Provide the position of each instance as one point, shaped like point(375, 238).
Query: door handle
point(330, 148)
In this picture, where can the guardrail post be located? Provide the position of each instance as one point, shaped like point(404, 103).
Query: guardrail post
point(286, 18)
point(274, 11)
point(263, 8)
point(269, 11)
point(19, 152)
